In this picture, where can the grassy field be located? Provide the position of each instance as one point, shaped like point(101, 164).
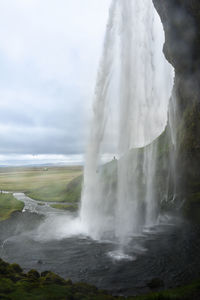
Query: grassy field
point(69, 207)
point(44, 184)
point(8, 205)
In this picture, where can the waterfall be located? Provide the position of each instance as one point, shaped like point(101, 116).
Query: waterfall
point(130, 108)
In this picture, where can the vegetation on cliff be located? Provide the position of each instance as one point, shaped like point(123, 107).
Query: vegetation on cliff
point(181, 22)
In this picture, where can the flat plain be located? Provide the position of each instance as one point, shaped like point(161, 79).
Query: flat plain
point(43, 183)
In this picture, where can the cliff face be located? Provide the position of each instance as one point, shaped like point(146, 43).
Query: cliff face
point(181, 22)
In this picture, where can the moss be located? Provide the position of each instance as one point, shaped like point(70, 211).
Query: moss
point(33, 274)
point(6, 285)
point(33, 286)
point(45, 286)
point(188, 138)
point(51, 278)
point(16, 268)
point(189, 132)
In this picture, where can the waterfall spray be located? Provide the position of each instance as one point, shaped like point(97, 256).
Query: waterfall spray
point(133, 88)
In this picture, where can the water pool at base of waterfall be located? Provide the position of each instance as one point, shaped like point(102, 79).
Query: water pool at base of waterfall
point(170, 252)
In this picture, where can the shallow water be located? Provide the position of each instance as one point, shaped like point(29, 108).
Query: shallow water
point(169, 251)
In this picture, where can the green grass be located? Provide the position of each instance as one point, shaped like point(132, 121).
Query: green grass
point(73, 191)
point(8, 205)
point(69, 207)
point(15, 285)
point(42, 184)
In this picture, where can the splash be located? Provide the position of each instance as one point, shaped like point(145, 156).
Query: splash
point(130, 108)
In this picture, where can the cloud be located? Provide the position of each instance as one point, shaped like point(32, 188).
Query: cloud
point(49, 53)
point(27, 160)
point(39, 124)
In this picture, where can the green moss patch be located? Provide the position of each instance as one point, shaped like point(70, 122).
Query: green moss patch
point(15, 285)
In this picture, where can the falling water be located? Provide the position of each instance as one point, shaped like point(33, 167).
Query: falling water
point(133, 88)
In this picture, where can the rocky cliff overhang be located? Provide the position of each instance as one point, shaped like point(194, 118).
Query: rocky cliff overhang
point(181, 23)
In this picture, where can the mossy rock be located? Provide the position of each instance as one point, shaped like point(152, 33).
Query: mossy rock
point(50, 286)
point(4, 267)
point(51, 278)
point(6, 285)
point(15, 268)
point(33, 275)
point(45, 273)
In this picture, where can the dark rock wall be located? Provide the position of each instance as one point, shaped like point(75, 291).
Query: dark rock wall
point(181, 22)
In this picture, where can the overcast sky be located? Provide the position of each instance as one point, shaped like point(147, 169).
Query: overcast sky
point(49, 54)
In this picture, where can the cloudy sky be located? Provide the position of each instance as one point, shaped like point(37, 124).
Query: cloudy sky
point(49, 54)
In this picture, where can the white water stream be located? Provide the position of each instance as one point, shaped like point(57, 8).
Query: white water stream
point(130, 107)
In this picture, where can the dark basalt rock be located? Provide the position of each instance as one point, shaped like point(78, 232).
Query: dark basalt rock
point(181, 22)
point(40, 262)
point(155, 283)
